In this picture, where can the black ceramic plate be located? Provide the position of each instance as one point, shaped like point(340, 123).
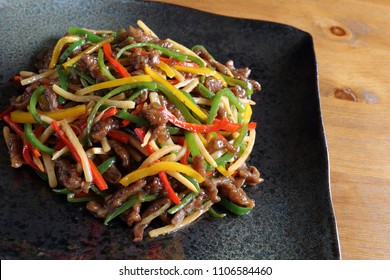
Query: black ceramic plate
point(293, 217)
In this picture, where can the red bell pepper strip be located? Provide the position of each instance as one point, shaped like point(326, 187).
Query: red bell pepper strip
point(119, 136)
point(97, 176)
point(66, 141)
point(27, 155)
point(184, 158)
point(6, 112)
point(187, 64)
point(168, 187)
point(163, 176)
point(217, 125)
point(15, 126)
point(115, 63)
point(141, 135)
point(109, 113)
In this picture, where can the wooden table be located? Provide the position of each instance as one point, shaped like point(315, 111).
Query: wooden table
point(352, 44)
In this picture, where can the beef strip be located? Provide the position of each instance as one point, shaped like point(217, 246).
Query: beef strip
point(242, 74)
point(123, 194)
point(133, 215)
point(137, 60)
point(154, 114)
point(250, 174)
point(89, 64)
point(226, 186)
point(15, 148)
point(236, 195)
point(97, 208)
point(102, 127)
point(160, 133)
point(188, 209)
point(138, 229)
point(238, 91)
point(140, 36)
point(51, 98)
point(112, 175)
point(67, 174)
point(22, 101)
point(122, 151)
point(198, 164)
point(213, 85)
point(43, 59)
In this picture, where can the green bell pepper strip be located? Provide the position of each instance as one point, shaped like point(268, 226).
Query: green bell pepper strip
point(191, 143)
point(137, 93)
point(30, 136)
point(103, 167)
point(33, 104)
point(70, 198)
point(98, 192)
point(193, 181)
point(89, 36)
point(224, 159)
point(150, 85)
point(129, 203)
point(63, 77)
point(177, 55)
point(234, 208)
point(217, 99)
point(242, 133)
point(69, 50)
point(205, 92)
point(173, 129)
point(122, 114)
point(179, 105)
point(236, 82)
point(62, 191)
point(215, 214)
point(187, 199)
point(103, 67)
point(42, 175)
point(89, 79)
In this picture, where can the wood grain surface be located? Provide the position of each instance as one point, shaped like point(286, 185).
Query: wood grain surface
point(352, 45)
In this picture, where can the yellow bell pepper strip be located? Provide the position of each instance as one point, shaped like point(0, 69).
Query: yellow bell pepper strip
point(113, 61)
point(58, 47)
point(90, 50)
point(156, 168)
point(217, 125)
point(167, 69)
point(192, 106)
point(247, 113)
point(201, 71)
point(72, 112)
point(163, 176)
point(114, 83)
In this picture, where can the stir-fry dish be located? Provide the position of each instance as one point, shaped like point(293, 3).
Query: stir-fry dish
point(138, 128)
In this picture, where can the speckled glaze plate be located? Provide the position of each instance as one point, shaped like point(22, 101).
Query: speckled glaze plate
point(293, 217)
